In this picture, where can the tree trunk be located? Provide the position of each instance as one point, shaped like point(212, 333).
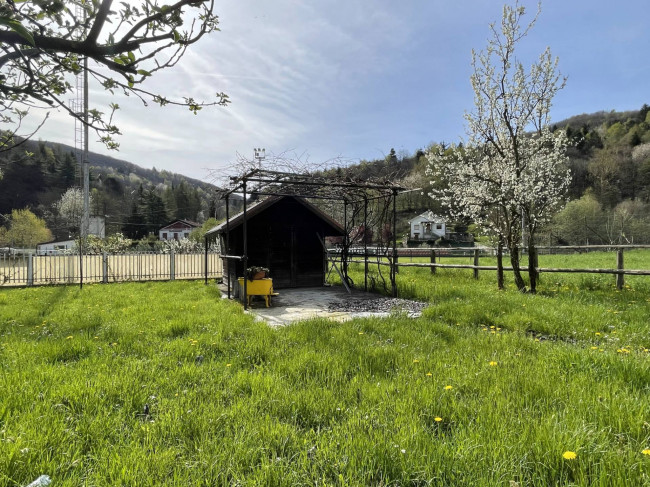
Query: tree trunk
point(533, 275)
point(500, 281)
point(516, 268)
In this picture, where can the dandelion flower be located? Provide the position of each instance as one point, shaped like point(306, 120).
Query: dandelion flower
point(228, 365)
point(646, 452)
point(429, 374)
point(493, 363)
point(415, 361)
point(449, 388)
point(569, 455)
point(360, 333)
point(68, 338)
point(437, 419)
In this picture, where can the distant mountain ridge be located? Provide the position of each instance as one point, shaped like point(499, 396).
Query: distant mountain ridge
point(155, 176)
point(134, 200)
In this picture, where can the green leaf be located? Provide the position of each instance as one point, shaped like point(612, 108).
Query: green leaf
point(18, 28)
point(144, 72)
point(131, 57)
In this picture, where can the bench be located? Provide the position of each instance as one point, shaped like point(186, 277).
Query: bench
point(258, 287)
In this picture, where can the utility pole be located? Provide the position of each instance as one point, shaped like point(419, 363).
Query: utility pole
point(80, 108)
point(85, 224)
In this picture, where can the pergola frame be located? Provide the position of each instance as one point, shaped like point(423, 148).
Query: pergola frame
point(309, 186)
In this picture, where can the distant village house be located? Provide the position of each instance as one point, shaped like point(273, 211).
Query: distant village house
point(177, 230)
point(427, 226)
point(96, 227)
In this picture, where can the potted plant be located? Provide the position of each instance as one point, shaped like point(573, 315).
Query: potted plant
point(256, 272)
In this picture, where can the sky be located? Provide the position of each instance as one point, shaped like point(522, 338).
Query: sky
point(350, 79)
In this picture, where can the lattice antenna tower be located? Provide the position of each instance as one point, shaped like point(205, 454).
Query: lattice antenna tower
point(80, 108)
point(77, 105)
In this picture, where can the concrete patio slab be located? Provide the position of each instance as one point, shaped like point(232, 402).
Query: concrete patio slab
point(333, 303)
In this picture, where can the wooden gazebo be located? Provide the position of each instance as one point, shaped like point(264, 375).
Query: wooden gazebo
point(286, 232)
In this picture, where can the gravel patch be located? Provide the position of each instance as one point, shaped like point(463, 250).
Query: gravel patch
point(378, 305)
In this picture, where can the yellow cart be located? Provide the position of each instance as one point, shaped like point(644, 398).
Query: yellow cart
point(258, 287)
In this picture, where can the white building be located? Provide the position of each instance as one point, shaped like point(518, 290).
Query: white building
point(96, 227)
point(55, 248)
point(177, 230)
point(427, 226)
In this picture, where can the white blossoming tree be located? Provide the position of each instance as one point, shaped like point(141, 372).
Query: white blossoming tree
point(511, 174)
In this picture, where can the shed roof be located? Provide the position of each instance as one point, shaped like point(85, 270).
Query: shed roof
point(262, 205)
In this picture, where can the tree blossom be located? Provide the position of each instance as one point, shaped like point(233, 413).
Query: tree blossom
point(512, 170)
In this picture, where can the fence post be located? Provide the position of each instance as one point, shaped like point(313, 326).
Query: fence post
point(30, 270)
point(476, 263)
point(620, 278)
point(172, 266)
point(104, 268)
point(433, 260)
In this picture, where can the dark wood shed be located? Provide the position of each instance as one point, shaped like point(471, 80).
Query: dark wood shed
point(284, 234)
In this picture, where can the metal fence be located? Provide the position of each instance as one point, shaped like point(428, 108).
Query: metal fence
point(35, 270)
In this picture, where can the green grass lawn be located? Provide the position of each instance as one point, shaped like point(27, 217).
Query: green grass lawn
point(166, 384)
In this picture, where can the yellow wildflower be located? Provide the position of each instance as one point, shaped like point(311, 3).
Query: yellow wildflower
point(646, 452)
point(437, 419)
point(569, 455)
point(449, 388)
point(493, 363)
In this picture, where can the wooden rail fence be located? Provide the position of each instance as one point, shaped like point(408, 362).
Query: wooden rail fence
point(434, 254)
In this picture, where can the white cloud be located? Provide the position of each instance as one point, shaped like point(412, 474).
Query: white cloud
point(349, 77)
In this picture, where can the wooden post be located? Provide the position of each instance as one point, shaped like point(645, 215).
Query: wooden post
point(620, 278)
point(365, 243)
point(476, 251)
point(395, 267)
point(30, 270)
point(433, 260)
point(227, 249)
point(205, 268)
point(104, 268)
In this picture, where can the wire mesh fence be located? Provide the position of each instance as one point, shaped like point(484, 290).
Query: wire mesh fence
point(35, 270)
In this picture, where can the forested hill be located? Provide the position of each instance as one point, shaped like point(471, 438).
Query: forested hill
point(609, 160)
point(609, 195)
point(135, 200)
